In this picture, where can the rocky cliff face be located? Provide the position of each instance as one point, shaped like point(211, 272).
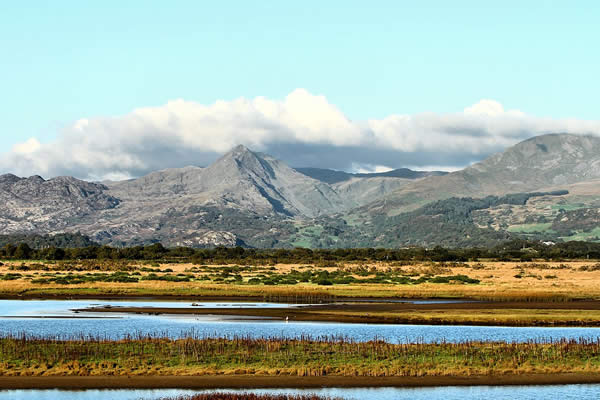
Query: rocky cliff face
point(35, 204)
point(241, 179)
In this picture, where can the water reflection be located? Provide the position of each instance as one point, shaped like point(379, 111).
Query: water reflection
point(564, 392)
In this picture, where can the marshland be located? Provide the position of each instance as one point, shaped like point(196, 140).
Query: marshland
point(155, 355)
point(222, 322)
point(509, 293)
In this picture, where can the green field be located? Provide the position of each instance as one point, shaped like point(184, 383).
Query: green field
point(592, 236)
point(531, 228)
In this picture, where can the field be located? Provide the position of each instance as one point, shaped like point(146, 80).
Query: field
point(490, 281)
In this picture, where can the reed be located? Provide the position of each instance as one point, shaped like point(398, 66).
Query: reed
point(305, 356)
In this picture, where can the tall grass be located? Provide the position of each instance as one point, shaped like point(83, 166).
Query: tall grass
point(306, 356)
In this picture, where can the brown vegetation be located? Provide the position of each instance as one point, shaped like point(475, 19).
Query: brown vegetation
point(499, 281)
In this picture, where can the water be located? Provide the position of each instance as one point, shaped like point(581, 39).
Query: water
point(18, 316)
point(47, 308)
point(23, 318)
point(564, 392)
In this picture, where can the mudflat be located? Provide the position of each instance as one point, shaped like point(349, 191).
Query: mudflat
point(571, 313)
point(251, 382)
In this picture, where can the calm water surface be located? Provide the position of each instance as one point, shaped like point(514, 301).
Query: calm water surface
point(18, 316)
point(563, 392)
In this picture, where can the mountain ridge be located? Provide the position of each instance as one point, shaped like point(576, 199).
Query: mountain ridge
point(253, 199)
point(541, 162)
point(332, 176)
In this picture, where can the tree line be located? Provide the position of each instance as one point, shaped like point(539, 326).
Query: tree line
point(518, 249)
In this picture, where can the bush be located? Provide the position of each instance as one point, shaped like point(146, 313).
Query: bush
point(324, 282)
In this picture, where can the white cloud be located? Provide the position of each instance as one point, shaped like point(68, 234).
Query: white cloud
point(302, 129)
point(491, 108)
point(30, 146)
point(369, 168)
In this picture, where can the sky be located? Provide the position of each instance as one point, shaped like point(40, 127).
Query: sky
point(116, 89)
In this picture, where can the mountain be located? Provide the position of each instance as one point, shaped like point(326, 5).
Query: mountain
point(544, 188)
point(540, 163)
point(554, 163)
point(37, 205)
point(332, 176)
point(362, 188)
point(240, 179)
point(243, 198)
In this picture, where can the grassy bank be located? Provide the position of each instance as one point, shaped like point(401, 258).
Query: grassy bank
point(286, 357)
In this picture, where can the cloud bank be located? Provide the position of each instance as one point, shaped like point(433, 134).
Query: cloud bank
point(303, 129)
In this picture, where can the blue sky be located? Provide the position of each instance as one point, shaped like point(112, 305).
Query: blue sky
point(67, 60)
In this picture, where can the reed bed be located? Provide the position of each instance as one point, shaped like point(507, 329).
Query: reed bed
point(305, 356)
point(249, 396)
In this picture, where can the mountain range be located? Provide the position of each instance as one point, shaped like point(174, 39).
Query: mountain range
point(544, 188)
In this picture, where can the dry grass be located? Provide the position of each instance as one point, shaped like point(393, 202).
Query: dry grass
point(536, 281)
point(496, 317)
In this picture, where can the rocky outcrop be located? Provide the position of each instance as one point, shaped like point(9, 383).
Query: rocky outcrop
point(37, 205)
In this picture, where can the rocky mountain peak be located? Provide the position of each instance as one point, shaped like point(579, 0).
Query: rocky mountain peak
point(241, 161)
point(547, 160)
point(8, 179)
point(240, 149)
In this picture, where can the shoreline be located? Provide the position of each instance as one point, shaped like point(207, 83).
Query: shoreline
point(388, 313)
point(364, 310)
point(287, 382)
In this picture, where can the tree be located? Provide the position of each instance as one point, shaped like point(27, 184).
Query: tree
point(23, 251)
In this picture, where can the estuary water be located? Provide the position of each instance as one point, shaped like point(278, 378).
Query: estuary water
point(55, 318)
point(563, 392)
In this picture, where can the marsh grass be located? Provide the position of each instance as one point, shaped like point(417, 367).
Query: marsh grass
point(199, 355)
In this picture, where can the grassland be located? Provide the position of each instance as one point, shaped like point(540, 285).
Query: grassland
point(592, 235)
point(530, 228)
point(489, 281)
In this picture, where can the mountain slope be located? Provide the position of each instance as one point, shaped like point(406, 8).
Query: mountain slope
point(541, 163)
point(332, 176)
point(36, 204)
point(240, 179)
point(362, 188)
